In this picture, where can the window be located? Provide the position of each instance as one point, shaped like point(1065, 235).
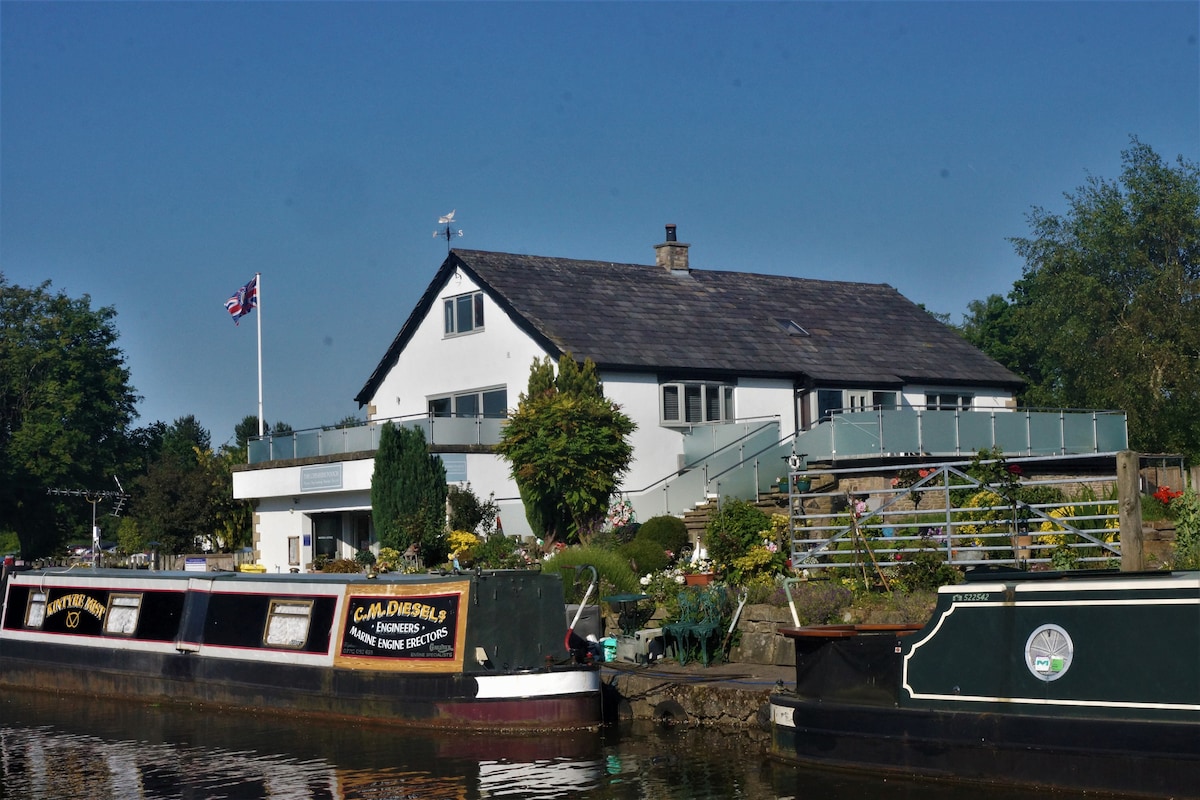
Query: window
point(464, 313)
point(831, 401)
point(947, 401)
point(122, 616)
point(35, 612)
point(490, 403)
point(694, 403)
point(790, 327)
point(287, 623)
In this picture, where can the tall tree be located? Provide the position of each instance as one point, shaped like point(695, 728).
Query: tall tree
point(408, 493)
point(1107, 312)
point(65, 410)
point(178, 503)
point(568, 448)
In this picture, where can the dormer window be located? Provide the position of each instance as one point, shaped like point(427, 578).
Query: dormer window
point(464, 313)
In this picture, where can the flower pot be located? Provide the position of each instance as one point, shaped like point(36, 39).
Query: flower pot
point(802, 484)
point(1022, 544)
point(698, 578)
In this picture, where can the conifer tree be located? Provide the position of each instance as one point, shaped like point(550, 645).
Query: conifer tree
point(408, 493)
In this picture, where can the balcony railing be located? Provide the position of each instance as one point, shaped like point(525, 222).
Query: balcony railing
point(751, 466)
point(340, 441)
point(953, 434)
point(748, 457)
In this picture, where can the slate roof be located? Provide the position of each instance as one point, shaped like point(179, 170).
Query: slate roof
point(706, 322)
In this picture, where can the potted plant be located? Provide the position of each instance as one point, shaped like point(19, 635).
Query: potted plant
point(699, 573)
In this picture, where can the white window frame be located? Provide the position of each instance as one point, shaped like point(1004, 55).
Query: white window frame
point(478, 394)
point(714, 403)
point(857, 399)
point(35, 609)
point(288, 623)
point(123, 613)
point(453, 308)
point(949, 401)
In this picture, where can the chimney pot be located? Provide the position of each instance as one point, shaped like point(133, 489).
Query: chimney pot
point(670, 233)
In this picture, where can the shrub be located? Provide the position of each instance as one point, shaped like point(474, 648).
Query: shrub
point(501, 552)
point(896, 608)
point(462, 546)
point(733, 530)
point(468, 513)
point(669, 532)
point(342, 565)
point(1187, 530)
point(389, 559)
point(645, 554)
point(615, 575)
point(819, 602)
point(927, 571)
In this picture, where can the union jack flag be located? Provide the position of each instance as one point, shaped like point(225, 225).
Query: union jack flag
point(245, 301)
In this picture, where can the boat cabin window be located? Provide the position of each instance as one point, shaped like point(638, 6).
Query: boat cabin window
point(287, 623)
point(35, 611)
point(123, 611)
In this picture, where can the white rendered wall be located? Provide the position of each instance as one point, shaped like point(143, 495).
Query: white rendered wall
point(279, 518)
point(286, 481)
point(434, 365)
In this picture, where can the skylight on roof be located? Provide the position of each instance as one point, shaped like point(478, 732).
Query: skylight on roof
point(790, 327)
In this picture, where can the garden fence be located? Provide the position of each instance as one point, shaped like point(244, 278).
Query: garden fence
point(943, 509)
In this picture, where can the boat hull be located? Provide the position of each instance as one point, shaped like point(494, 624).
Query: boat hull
point(434, 654)
point(1082, 683)
point(1077, 754)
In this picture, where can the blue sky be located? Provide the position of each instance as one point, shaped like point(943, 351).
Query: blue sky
point(156, 155)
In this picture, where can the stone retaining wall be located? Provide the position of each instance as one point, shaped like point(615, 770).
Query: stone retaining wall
point(758, 642)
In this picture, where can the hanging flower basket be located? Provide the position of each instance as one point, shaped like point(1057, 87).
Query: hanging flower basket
point(802, 484)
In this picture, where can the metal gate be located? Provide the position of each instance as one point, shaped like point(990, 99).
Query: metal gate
point(877, 519)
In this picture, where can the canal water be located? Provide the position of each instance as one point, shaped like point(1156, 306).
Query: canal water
point(70, 748)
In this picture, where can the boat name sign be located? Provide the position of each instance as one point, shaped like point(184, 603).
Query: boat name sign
point(422, 627)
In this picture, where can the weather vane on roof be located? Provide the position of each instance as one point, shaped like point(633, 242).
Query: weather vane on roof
point(448, 232)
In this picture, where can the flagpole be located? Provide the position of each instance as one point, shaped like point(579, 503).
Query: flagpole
point(258, 303)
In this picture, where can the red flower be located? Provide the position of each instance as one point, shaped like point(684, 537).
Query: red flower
point(1164, 495)
point(1014, 469)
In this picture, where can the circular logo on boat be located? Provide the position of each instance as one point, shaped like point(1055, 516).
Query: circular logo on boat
point(1048, 652)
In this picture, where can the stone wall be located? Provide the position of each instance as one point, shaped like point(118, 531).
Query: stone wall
point(758, 642)
point(1158, 543)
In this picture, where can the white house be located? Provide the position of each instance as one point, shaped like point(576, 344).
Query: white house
point(704, 361)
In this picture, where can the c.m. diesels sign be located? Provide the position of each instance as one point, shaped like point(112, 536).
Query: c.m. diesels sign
point(411, 631)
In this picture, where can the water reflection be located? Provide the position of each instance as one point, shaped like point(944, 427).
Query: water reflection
point(62, 748)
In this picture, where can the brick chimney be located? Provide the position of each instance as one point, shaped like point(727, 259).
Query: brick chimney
point(671, 254)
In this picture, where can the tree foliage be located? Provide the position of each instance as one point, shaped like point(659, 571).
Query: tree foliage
point(184, 500)
point(408, 493)
point(568, 448)
point(1107, 312)
point(65, 409)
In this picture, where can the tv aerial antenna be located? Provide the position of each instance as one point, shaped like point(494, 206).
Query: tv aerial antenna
point(447, 232)
point(95, 497)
